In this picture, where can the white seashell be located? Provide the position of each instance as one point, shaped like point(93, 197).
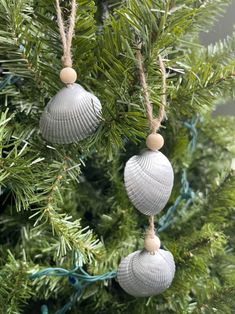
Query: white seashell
point(142, 275)
point(71, 115)
point(149, 180)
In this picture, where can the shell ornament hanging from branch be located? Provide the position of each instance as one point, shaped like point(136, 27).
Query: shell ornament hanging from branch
point(148, 181)
point(73, 113)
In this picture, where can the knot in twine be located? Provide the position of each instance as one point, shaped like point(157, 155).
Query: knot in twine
point(154, 123)
point(66, 36)
point(151, 230)
point(151, 242)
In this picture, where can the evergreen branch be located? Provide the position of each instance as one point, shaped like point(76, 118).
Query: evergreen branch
point(203, 82)
point(71, 235)
point(15, 289)
point(222, 51)
point(221, 300)
point(22, 54)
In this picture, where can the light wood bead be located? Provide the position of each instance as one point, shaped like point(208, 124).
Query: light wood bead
point(152, 244)
point(154, 141)
point(68, 75)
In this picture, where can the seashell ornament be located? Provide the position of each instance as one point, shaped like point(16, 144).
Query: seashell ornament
point(148, 181)
point(142, 274)
point(71, 115)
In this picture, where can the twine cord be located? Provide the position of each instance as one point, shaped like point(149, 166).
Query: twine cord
point(162, 113)
point(150, 234)
point(154, 123)
point(66, 37)
point(151, 230)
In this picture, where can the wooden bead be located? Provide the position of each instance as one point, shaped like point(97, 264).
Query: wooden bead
point(68, 75)
point(152, 244)
point(154, 141)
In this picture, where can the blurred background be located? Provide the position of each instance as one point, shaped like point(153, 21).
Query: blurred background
point(223, 28)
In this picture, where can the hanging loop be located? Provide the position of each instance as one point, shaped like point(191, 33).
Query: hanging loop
point(66, 36)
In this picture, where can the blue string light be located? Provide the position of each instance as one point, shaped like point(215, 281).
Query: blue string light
point(77, 277)
point(193, 132)
point(6, 81)
point(44, 309)
point(186, 193)
point(9, 79)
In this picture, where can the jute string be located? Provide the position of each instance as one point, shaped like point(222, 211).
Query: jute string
point(66, 36)
point(154, 122)
point(151, 231)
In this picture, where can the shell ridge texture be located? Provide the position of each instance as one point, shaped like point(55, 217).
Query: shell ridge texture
point(148, 181)
point(70, 116)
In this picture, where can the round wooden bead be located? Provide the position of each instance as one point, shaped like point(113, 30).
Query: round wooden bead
point(152, 244)
point(154, 141)
point(68, 75)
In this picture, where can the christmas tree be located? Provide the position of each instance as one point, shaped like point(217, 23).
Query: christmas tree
point(65, 206)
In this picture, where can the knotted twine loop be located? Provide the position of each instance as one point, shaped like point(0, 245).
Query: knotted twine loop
point(154, 123)
point(66, 37)
point(151, 242)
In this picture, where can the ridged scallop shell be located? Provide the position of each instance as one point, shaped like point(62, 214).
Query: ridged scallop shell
point(71, 115)
point(141, 274)
point(149, 180)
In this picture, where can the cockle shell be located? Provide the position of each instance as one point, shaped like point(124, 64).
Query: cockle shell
point(149, 180)
point(71, 115)
point(141, 274)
